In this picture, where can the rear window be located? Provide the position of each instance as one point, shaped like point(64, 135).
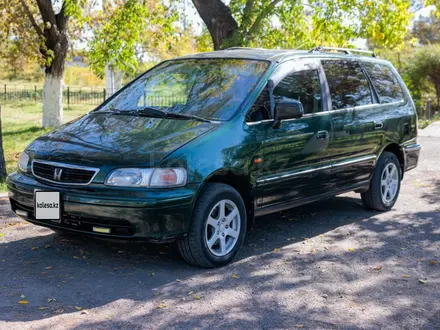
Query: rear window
point(347, 83)
point(385, 82)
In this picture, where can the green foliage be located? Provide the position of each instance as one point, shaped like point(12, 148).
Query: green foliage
point(424, 71)
point(427, 29)
point(123, 28)
point(295, 23)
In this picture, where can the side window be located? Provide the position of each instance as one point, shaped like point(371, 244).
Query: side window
point(347, 83)
point(261, 108)
point(303, 86)
point(385, 82)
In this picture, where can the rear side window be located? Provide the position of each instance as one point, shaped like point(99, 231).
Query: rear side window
point(347, 83)
point(385, 82)
point(303, 86)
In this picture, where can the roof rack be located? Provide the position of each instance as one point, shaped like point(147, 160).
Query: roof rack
point(243, 48)
point(347, 51)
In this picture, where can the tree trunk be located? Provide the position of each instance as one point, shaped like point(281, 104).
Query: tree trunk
point(219, 20)
point(54, 51)
point(3, 173)
point(113, 80)
point(52, 100)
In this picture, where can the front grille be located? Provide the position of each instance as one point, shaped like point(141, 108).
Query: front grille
point(63, 173)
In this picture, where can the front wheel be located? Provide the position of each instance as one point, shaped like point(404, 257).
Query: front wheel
point(218, 227)
point(385, 184)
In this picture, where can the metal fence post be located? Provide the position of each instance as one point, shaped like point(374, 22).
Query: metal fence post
point(428, 109)
point(68, 95)
point(5, 91)
point(103, 94)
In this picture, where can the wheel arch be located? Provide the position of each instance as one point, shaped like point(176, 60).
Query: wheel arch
point(398, 151)
point(239, 182)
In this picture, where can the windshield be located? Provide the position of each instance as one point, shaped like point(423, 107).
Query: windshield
point(207, 88)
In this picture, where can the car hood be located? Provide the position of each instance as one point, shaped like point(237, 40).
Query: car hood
point(98, 139)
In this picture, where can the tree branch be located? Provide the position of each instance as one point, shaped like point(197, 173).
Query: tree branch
point(46, 11)
point(31, 18)
point(263, 14)
point(247, 12)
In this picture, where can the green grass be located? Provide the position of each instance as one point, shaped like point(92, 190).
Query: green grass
point(423, 123)
point(22, 123)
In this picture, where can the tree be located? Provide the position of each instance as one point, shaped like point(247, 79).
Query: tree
point(125, 30)
point(427, 29)
point(424, 71)
point(294, 23)
point(41, 30)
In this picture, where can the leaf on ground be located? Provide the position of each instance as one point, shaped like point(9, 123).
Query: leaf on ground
point(75, 257)
point(78, 308)
point(235, 276)
point(22, 296)
point(84, 312)
point(313, 250)
point(405, 276)
point(51, 300)
point(42, 308)
point(299, 326)
point(23, 302)
point(163, 305)
point(34, 248)
point(433, 262)
point(351, 249)
point(378, 268)
point(49, 267)
point(276, 250)
point(422, 281)
point(47, 246)
point(196, 297)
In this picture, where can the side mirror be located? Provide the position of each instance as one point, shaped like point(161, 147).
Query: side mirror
point(287, 109)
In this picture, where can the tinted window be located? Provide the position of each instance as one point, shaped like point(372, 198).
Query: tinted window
point(385, 82)
point(208, 88)
point(301, 86)
point(348, 84)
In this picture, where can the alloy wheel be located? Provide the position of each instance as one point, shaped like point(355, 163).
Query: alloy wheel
point(222, 228)
point(389, 183)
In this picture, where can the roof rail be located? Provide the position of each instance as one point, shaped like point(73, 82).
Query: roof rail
point(243, 48)
point(347, 51)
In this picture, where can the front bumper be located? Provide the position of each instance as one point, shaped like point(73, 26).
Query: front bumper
point(153, 214)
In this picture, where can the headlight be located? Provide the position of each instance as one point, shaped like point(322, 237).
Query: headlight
point(147, 177)
point(23, 162)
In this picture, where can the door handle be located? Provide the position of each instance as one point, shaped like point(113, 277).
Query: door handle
point(322, 135)
point(378, 125)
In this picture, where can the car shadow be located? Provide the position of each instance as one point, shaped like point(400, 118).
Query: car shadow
point(61, 273)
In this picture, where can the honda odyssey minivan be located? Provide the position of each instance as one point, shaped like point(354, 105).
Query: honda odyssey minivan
point(195, 148)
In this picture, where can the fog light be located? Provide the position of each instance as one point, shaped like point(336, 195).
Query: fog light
point(101, 230)
point(21, 213)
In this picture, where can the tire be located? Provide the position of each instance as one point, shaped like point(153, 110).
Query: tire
point(384, 187)
point(225, 230)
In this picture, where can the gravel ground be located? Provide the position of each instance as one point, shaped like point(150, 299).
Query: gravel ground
point(327, 265)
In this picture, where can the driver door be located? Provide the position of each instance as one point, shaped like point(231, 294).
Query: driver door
point(294, 164)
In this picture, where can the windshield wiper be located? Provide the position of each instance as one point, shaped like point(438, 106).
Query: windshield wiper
point(150, 112)
point(145, 112)
point(183, 116)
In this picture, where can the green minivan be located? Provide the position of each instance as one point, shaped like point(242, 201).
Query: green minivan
point(197, 147)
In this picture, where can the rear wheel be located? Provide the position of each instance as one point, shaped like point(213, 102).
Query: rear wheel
point(218, 227)
point(385, 184)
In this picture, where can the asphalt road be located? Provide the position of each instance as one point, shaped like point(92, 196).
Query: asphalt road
point(327, 265)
